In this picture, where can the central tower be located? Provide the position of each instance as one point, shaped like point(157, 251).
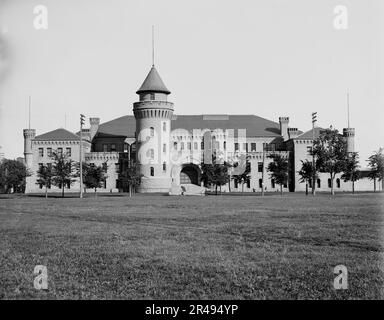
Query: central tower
point(153, 114)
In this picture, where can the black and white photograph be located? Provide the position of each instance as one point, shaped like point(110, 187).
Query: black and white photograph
point(191, 155)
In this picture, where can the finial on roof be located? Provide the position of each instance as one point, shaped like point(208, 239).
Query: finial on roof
point(153, 45)
point(348, 107)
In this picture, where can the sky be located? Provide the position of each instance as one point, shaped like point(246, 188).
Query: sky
point(270, 58)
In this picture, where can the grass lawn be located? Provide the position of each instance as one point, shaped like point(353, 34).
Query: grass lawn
point(213, 247)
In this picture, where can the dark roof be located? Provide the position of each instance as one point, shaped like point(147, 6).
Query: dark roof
point(59, 135)
point(153, 83)
point(308, 134)
point(255, 126)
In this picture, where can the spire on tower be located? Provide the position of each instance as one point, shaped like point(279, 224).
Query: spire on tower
point(348, 107)
point(153, 45)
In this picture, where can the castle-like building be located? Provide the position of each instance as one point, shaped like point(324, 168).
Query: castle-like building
point(170, 148)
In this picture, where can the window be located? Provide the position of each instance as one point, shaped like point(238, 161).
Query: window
point(152, 153)
point(152, 96)
point(117, 167)
point(105, 166)
point(259, 167)
point(40, 185)
point(49, 152)
point(310, 183)
point(41, 152)
point(105, 184)
point(236, 184)
point(260, 183)
point(59, 152)
point(152, 171)
point(113, 147)
point(225, 145)
point(245, 147)
point(69, 185)
point(164, 166)
point(272, 147)
point(253, 146)
point(105, 147)
point(152, 131)
point(329, 183)
point(248, 183)
point(318, 183)
point(189, 145)
point(175, 145)
point(68, 152)
point(49, 166)
point(309, 150)
point(164, 147)
point(338, 183)
point(164, 126)
point(195, 145)
point(273, 185)
point(202, 145)
point(182, 145)
point(236, 146)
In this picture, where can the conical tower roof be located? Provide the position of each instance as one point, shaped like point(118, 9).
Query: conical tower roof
point(153, 83)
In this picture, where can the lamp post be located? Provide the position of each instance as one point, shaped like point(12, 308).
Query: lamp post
point(314, 119)
point(82, 120)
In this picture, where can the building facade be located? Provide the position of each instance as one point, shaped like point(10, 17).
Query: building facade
point(170, 149)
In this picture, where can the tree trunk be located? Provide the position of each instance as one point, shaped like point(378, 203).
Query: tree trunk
point(130, 190)
point(353, 186)
point(306, 187)
point(242, 188)
point(216, 189)
point(62, 191)
point(374, 185)
point(95, 192)
point(46, 191)
point(281, 190)
point(332, 191)
point(229, 184)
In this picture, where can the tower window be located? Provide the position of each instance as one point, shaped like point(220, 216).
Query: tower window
point(164, 166)
point(225, 145)
point(152, 171)
point(164, 147)
point(202, 145)
point(49, 152)
point(152, 96)
point(175, 145)
point(236, 146)
point(41, 152)
point(189, 145)
point(152, 129)
point(152, 154)
point(164, 126)
point(182, 145)
point(68, 152)
point(195, 145)
point(253, 146)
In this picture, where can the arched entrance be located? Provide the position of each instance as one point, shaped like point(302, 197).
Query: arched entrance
point(189, 174)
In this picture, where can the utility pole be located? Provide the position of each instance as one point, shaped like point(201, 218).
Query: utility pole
point(314, 119)
point(82, 120)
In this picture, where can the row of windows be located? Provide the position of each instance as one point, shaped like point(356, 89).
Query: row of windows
point(273, 184)
point(216, 145)
point(318, 183)
point(59, 151)
point(152, 169)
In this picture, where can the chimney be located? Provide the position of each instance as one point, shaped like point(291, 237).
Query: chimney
point(284, 127)
point(293, 133)
point(94, 127)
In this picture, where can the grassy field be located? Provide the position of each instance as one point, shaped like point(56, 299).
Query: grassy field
point(213, 247)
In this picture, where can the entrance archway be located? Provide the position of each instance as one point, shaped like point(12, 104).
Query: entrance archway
point(189, 174)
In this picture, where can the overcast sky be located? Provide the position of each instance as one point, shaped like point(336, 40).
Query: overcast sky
point(270, 58)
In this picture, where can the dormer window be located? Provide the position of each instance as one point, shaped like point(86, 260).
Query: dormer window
point(152, 96)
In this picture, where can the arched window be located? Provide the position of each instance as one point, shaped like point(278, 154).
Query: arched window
point(260, 183)
point(318, 183)
point(152, 129)
point(236, 184)
point(248, 183)
point(273, 183)
point(338, 183)
point(164, 126)
point(152, 171)
point(329, 183)
point(164, 166)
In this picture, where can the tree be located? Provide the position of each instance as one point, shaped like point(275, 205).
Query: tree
point(12, 175)
point(330, 150)
point(306, 173)
point(44, 177)
point(214, 174)
point(133, 176)
point(64, 171)
point(93, 176)
point(243, 177)
point(376, 163)
point(351, 170)
point(278, 169)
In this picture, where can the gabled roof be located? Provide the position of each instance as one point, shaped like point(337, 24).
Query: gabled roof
point(58, 135)
point(308, 134)
point(255, 126)
point(153, 83)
